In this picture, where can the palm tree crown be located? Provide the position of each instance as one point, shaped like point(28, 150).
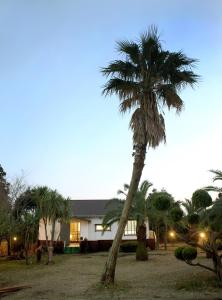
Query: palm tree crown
point(147, 79)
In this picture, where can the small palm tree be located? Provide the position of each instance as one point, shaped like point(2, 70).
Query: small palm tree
point(138, 212)
point(147, 79)
point(53, 208)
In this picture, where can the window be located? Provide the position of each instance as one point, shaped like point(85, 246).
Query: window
point(130, 228)
point(99, 227)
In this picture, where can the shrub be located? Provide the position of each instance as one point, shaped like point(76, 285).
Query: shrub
point(193, 219)
point(189, 253)
point(201, 199)
point(128, 246)
point(178, 253)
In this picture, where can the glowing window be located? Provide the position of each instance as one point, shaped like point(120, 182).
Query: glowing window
point(130, 228)
point(99, 227)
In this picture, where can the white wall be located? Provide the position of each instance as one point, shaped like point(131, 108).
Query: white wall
point(49, 231)
point(87, 230)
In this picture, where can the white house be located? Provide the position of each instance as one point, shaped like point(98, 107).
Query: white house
point(86, 223)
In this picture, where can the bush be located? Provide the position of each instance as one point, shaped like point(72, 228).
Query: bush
point(201, 199)
point(189, 253)
point(128, 246)
point(193, 219)
point(58, 247)
point(178, 253)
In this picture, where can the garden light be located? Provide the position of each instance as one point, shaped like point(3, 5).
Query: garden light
point(172, 234)
point(202, 235)
point(15, 238)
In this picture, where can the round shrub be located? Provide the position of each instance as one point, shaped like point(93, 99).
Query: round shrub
point(201, 199)
point(189, 253)
point(162, 201)
point(178, 253)
point(176, 214)
point(193, 219)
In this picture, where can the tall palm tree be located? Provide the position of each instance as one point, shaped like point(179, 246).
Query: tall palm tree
point(147, 79)
point(138, 212)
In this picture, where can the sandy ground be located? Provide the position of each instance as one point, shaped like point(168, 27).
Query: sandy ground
point(77, 277)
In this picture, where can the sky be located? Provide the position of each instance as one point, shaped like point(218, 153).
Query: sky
point(62, 132)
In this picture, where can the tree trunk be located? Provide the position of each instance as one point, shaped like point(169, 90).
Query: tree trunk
point(218, 268)
point(110, 266)
point(50, 248)
point(157, 231)
point(165, 235)
point(141, 251)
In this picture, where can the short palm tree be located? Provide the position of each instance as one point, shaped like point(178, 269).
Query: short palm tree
point(147, 79)
point(52, 208)
point(138, 212)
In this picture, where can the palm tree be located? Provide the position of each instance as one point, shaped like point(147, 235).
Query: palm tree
point(138, 212)
point(147, 79)
point(53, 208)
point(218, 176)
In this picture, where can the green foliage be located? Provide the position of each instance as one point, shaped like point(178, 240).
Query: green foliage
point(219, 244)
point(189, 253)
point(176, 214)
point(215, 216)
point(193, 219)
point(161, 200)
point(201, 199)
point(128, 246)
point(185, 253)
point(178, 253)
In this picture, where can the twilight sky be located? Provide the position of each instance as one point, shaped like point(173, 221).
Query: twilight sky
point(59, 129)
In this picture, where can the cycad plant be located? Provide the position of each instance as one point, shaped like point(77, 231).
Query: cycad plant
point(146, 79)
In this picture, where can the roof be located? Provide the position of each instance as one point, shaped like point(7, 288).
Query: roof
point(90, 208)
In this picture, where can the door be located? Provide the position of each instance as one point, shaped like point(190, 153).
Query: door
point(74, 231)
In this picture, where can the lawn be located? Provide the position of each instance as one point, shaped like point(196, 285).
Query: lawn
point(77, 276)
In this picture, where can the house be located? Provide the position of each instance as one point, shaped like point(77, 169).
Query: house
point(86, 223)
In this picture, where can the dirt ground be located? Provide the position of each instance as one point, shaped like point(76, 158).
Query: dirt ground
point(77, 276)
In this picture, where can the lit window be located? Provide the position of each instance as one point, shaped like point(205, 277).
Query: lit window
point(100, 227)
point(130, 228)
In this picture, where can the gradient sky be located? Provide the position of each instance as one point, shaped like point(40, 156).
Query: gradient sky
point(59, 129)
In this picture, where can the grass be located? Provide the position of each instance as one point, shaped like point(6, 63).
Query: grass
point(77, 277)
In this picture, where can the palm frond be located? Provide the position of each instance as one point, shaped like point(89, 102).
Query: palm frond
point(123, 88)
point(131, 49)
point(121, 69)
point(217, 173)
point(211, 188)
point(170, 97)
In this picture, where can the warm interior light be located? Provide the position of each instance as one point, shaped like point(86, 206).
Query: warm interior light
point(15, 238)
point(70, 236)
point(202, 235)
point(172, 234)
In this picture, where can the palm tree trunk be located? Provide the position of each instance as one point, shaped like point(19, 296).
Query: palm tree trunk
point(141, 251)
point(165, 235)
point(110, 266)
point(50, 248)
